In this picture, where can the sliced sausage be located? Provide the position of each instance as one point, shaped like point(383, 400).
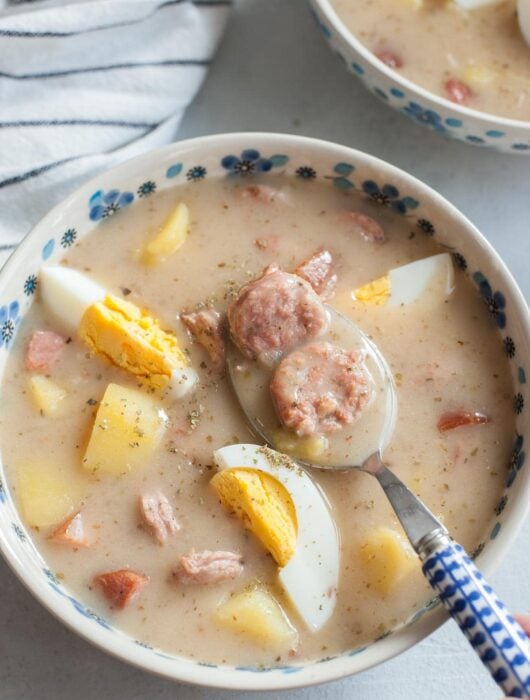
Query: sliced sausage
point(274, 313)
point(208, 567)
point(364, 226)
point(207, 328)
point(318, 270)
point(43, 350)
point(121, 587)
point(320, 388)
point(157, 515)
point(71, 532)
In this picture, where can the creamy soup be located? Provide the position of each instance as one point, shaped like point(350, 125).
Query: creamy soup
point(451, 441)
point(477, 58)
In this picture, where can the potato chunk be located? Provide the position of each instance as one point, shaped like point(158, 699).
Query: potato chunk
point(127, 430)
point(257, 615)
point(47, 396)
point(47, 492)
point(171, 236)
point(387, 559)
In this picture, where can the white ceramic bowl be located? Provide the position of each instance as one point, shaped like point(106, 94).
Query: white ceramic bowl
point(243, 155)
point(424, 107)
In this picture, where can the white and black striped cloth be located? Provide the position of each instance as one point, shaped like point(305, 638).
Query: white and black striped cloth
point(85, 84)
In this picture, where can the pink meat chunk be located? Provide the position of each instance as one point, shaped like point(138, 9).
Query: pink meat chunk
point(365, 226)
point(208, 567)
point(157, 515)
point(263, 193)
point(71, 532)
point(274, 313)
point(318, 270)
point(207, 328)
point(320, 388)
point(43, 350)
point(121, 587)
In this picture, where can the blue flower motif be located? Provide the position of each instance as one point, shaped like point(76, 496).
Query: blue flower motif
point(104, 204)
point(495, 301)
point(30, 285)
point(198, 172)
point(251, 162)
point(2, 492)
point(146, 188)
point(8, 322)
point(459, 260)
point(68, 238)
point(388, 195)
point(51, 576)
point(516, 461)
point(518, 403)
point(341, 178)
point(427, 117)
point(19, 532)
point(509, 346)
point(306, 172)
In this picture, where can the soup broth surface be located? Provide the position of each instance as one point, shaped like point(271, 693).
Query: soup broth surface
point(477, 58)
point(444, 354)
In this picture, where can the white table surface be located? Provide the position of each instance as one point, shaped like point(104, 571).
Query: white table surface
point(274, 72)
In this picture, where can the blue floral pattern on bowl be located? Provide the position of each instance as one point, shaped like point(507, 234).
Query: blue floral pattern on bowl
point(105, 204)
point(251, 162)
point(9, 319)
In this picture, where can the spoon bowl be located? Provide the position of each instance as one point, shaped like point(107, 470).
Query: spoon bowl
point(350, 447)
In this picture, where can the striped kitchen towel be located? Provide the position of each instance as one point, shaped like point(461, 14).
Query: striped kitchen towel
point(85, 84)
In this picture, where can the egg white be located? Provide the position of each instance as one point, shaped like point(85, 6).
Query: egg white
point(310, 577)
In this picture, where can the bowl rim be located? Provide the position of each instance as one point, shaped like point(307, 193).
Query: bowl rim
point(226, 677)
point(350, 38)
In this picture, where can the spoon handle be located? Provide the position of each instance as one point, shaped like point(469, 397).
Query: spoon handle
point(493, 633)
point(490, 629)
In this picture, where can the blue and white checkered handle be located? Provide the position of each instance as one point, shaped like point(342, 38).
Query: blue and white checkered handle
point(494, 634)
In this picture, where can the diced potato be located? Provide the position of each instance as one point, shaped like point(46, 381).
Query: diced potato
point(48, 397)
point(127, 430)
point(308, 448)
point(478, 76)
point(387, 560)
point(47, 492)
point(255, 614)
point(170, 238)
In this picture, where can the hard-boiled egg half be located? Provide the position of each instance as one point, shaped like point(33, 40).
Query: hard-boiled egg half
point(287, 512)
point(405, 284)
point(116, 329)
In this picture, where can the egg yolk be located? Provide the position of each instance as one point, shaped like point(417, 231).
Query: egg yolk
point(131, 340)
point(264, 505)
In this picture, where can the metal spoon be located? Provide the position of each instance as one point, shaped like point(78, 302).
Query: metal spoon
point(493, 633)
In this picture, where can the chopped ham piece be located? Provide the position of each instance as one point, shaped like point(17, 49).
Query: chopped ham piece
point(122, 586)
point(157, 515)
point(390, 59)
point(365, 226)
point(451, 420)
point(318, 270)
point(43, 350)
point(207, 328)
point(208, 567)
point(263, 193)
point(71, 532)
point(457, 91)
